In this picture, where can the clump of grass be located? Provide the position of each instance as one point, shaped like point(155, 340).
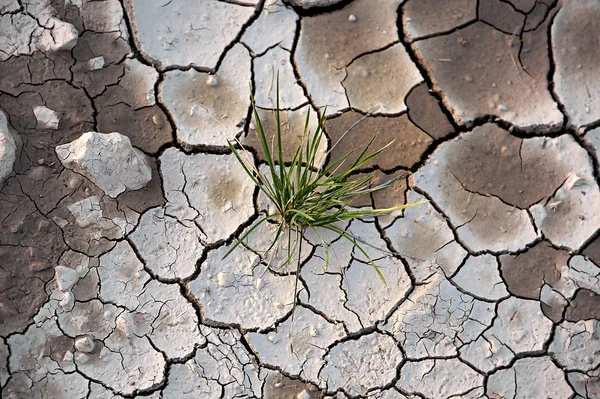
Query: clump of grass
point(306, 195)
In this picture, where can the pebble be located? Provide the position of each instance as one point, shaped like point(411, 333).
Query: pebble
point(84, 344)
point(212, 80)
point(303, 395)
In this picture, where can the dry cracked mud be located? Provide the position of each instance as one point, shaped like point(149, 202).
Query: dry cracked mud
point(119, 197)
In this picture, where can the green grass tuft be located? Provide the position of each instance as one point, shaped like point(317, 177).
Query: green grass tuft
point(306, 195)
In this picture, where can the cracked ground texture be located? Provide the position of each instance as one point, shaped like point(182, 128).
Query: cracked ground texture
point(119, 198)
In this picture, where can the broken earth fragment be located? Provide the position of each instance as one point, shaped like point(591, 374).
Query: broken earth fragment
point(91, 221)
point(87, 211)
point(529, 378)
point(57, 36)
point(190, 32)
point(480, 277)
point(46, 118)
point(576, 346)
point(240, 282)
point(585, 305)
point(439, 378)
point(578, 275)
point(575, 50)
point(425, 112)
point(381, 79)
point(96, 63)
point(526, 273)
point(270, 67)
point(65, 278)
point(360, 365)
point(210, 109)
point(276, 25)
point(8, 148)
point(300, 354)
point(108, 160)
point(211, 190)
point(16, 34)
point(166, 318)
point(122, 276)
point(3, 363)
point(553, 303)
point(170, 247)
point(124, 362)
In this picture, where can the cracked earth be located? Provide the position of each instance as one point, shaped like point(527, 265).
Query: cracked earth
point(119, 198)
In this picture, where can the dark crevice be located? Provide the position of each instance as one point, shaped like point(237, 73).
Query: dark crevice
point(448, 32)
point(257, 12)
point(512, 34)
point(375, 51)
point(591, 152)
point(311, 12)
point(513, 7)
point(239, 3)
point(590, 126)
point(588, 242)
point(552, 71)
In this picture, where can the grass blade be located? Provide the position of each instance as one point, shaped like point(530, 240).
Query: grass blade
point(245, 235)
